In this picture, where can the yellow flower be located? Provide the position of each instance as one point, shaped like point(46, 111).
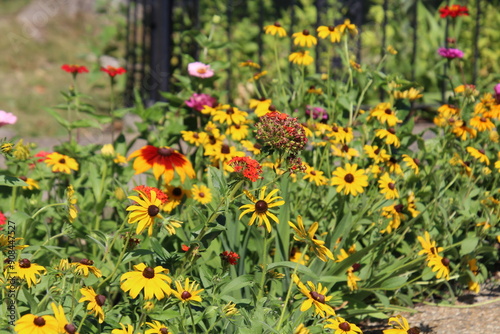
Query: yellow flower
point(412, 163)
point(257, 76)
point(61, 163)
point(392, 50)
point(347, 25)
point(33, 324)
point(62, 322)
point(230, 115)
point(144, 211)
point(330, 31)
point(261, 206)
point(388, 187)
point(352, 279)
point(342, 327)
point(304, 38)
point(400, 326)
point(385, 114)
point(315, 176)
point(32, 184)
point(389, 135)
point(95, 302)
point(429, 247)
point(171, 225)
point(156, 327)
point(194, 138)
point(308, 237)
point(316, 295)
point(238, 131)
point(301, 329)
point(350, 180)
point(201, 194)
point(85, 266)
point(21, 151)
point(440, 265)
point(71, 199)
point(27, 270)
point(108, 150)
point(125, 330)
point(223, 153)
point(377, 154)
point(249, 63)
point(187, 293)
point(275, 29)
point(153, 281)
point(230, 309)
point(478, 154)
point(301, 58)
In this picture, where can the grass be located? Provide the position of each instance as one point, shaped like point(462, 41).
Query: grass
point(30, 69)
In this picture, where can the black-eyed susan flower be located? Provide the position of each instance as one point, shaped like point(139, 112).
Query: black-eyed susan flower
point(352, 278)
point(84, 266)
point(154, 282)
point(379, 155)
point(33, 324)
point(395, 213)
point(301, 58)
point(350, 180)
point(223, 153)
point(478, 154)
point(32, 183)
point(348, 26)
point(316, 176)
point(260, 105)
point(257, 76)
point(201, 194)
point(301, 329)
point(318, 246)
point(171, 225)
point(64, 326)
point(462, 131)
point(164, 161)
point(389, 135)
point(275, 29)
point(388, 187)
point(230, 310)
point(188, 292)
point(344, 151)
point(297, 256)
point(304, 39)
point(144, 212)
point(95, 302)
point(175, 195)
point(394, 166)
point(316, 295)
point(194, 138)
point(61, 163)
point(411, 162)
point(401, 326)
point(230, 115)
point(71, 200)
point(261, 207)
point(429, 246)
point(26, 270)
point(156, 327)
point(129, 329)
point(341, 326)
point(385, 114)
point(441, 266)
point(249, 63)
point(481, 123)
point(254, 148)
point(238, 131)
point(330, 32)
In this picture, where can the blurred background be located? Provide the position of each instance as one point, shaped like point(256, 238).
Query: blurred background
point(155, 39)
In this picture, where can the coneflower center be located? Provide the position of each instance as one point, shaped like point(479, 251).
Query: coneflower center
point(39, 321)
point(87, 262)
point(349, 178)
point(24, 263)
point(62, 161)
point(177, 191)
point(345, 148)
point(185, 295)
point(391, 186)
point(414, 330)
point(100, 300)
point(230, 111)
point(399, 208)
point(165, 151)
point(225, 149)
point(391, 131)
point(271, 108)
point(196, 136)
point(257, 146)
point(70, 328)
point(388, 111)
point(201, 194)
point(148, 272)
point(305, 32)
point(345, 326)
point(153, 210)
point(261, 206)
point(163, 330)
point(445, 261)
point(317, 297)
point(331, 28)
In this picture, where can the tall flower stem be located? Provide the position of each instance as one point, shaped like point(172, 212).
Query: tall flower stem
point(276, 58)
point(346, 56)
point(192, 318)
point(264, 270)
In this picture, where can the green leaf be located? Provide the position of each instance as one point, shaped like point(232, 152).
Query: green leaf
point(292, 265)
point(11, 181)
point(58, 117)
point(468, 245)
point(238, 283)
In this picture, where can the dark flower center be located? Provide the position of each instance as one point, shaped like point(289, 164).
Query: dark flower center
point(481, 151)
point(349, 178)
point(388, 111)
point(393, 160)
point(261, 206)
point(153, 210)
point(24, 178)
point(312, 87)
point(414, 330)
point(87, 262)
point(230, 111)
point(257, 146)
point(237, 126)
point(317, 297)
point(165, 151)
point(377, 151)
point(185, 295)
point(212, 139)
point(391, 186)
point(313, 173)
point(225, 149)
point(272, 108)
point(305, 32)
point(262, 99)
point(345, 326)
point(356, 267)
point(196, 136)
point(163, 330)
point(276, 24)
point(24, 263)
point(331, 28)
point(398, 208)
point(70, 328)
point(62, 161)
point(177, 191)
point(482, 119)
point(433, 250)
point(345, 148)
point(445, 261)
point(201, 194)
point(100, 300)
point(391, 131)
point(416, 161)
point(148, 272)
point(39, 321)
point(335, 129)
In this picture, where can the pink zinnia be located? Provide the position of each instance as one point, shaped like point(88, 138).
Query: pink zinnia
point(7, 118)
point(450, 53)
point(199, 101)
point(200, 70)
point(3, 220)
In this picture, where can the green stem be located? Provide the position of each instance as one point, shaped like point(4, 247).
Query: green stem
point(192, 318)
point(120, 259)
point(276, 57)
point(81, 322)
point(264, 270)
point(346, 55)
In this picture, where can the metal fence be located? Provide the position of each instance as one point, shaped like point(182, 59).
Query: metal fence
point(151, 24)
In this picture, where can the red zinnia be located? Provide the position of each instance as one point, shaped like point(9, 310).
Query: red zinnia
point(164, 161)
point(147, 191)
point(113, 71)
point(74, 69)
point(229, 257)
point(3, 220)
point(454, 11)
point(247, 167)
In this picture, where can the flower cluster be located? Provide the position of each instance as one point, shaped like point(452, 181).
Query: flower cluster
point(247, 167)
point(450, 53)
point(200, 101)
point(229, 257)
point(281, 132)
